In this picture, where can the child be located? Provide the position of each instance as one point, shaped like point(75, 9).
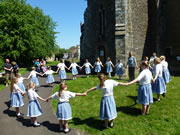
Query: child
point(87, 66)
point(34, 108)
point(119, 69)
point(108, 107)
point(109, 66)
point(20, 82)
point(144, 91)
point(61, 69)
point(50, 78)
point(166, 74)
point(74, 69)
point(64, 112)
point(33, 74)
point(16, 96)
point(98, 65)
point(158, 85)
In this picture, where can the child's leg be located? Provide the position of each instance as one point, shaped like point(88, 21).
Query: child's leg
point(106, 123)
point(66, 128)
point(144, 109)
point(17, 110)
point(61, 124)
point(109, 74)
point(147, 109)
point(111, 123)
point(158, 97)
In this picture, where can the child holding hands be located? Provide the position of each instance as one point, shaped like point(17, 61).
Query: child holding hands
point(64, 112)
point(34, 108)
point(108, 107)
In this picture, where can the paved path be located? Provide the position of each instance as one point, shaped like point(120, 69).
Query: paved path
point(10, 125)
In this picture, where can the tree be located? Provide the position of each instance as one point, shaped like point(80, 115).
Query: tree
point(25, 32)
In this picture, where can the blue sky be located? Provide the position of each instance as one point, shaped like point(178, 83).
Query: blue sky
point(67, 14)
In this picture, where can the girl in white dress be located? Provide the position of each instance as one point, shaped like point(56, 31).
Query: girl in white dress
point(61, 69)
point(109, 66)
point(119, 69)
point(49, 78)
point(98, 65)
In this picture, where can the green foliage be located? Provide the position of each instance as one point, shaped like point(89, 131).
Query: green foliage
point(60, 53)
point(25, 32)
point(164, 118)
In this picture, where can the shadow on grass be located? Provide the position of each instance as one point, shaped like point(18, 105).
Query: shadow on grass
point(130, 110)
point(91, 122)
point(51, 126)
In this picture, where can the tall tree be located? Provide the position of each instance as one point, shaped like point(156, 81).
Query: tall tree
point(25, 32)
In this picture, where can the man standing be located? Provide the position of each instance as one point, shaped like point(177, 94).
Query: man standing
point(8, 69)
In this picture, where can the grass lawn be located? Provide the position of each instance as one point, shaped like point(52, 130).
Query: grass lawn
point(164, 118)
point(21, 70)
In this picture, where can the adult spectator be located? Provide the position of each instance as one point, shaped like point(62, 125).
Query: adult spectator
point(8, 70)
point(131, 63)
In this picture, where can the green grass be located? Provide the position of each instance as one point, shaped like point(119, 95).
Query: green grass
point(164, 118)
point(2, 85)
point(52, 63)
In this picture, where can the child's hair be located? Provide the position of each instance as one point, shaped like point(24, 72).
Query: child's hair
point(72, 60)
point(49, 67)
point(157, 60)
point(19, 74)
point(13, 63)
point(163, 58)
point(62, 86)
point(102, 79)
point(146, 58)
point(108, 59)
point(13, 81)
point(145, 63)
point(130, 54)
point(33, 68)
point(30, 85)
point(62, 61)
point(98, 59)
point(119, 61)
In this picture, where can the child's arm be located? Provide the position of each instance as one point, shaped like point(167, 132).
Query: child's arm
point(29, 76)
point(20, 91)
point(45, 100)
point(69, 67)
point(134, 81)
point(57, 70)
point(124, 84)
point(92, 89)
point(81, 94)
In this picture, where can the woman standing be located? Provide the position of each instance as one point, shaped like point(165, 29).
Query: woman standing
point(131, 66)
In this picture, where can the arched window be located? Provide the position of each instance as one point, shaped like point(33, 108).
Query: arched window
point(101, 22)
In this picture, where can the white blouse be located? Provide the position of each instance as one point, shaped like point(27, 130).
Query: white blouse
point(65, 96)
point(145, 77)
point(107, 89)
point(32, 95)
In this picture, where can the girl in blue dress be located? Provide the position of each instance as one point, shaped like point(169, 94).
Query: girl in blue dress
point(64, 112)
point(34, 108)
point(16, 96)
point(108, 107)
point(20, 82)
point(87, 66)
point(109, 66)
point(145, 96)
point(166, 74)
point(119, 69)
point(49, 78)
point(158, 85)
point(74, 66)
point(61, 69)
point(98, 65)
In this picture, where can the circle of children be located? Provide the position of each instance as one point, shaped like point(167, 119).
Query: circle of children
point(148, 84)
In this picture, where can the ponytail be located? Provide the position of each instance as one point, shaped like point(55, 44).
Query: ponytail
point(102, 79)
point(62, 86)
point(13, 81)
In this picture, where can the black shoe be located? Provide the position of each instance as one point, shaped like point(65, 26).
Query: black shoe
point(20, 115)
point(164, 95)
point(111, 125)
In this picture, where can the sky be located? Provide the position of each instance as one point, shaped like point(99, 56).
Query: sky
point(67, 14)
